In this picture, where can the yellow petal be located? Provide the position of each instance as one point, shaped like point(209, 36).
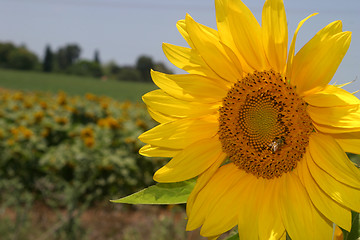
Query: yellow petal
point(331, 158)
point(190, 162)
point(269, 209)
point(346, 117)
point(275, 34)
point(155, 151)
point(328, 207)
point(247, 35)
point(316, 63)
point(163, 103)
point(160, 117)
point(207, 43)
point(350, 142)
point(225, 178)
point(303, 222)
point(331, 96)
point(250, 199)
point(190, 87)
point(187, 59)
point(224, 214)
point(333, 130)
point(225, 35)
point(201, 182)
point(292, 47)
point(181, 26)
point(181, 133)
point(341, 193)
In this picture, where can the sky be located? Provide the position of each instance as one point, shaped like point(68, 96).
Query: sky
point(122, 30)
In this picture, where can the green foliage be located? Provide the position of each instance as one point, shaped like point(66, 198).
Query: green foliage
point(161, 193)
point(22, 59)
point(86, 68)
point(48, 63)
point(160, 67)
point(97, 57)
point(67, 56)
point(233, 237)
point(64, 140)
point(354, 233)
point(70, 152)
point(129, 74)
point(144, 64)
point(67, 60)
point(5, 50)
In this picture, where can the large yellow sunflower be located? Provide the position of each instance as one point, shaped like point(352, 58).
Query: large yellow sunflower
point(259, 126)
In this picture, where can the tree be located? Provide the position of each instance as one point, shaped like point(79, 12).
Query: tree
point(86, 68)
point(160, 67)
point(5, 50)
point(97, 57)
point(143, 65)
point(67, 56)
point(48, 62)
point(128, 73)
point(22, 59)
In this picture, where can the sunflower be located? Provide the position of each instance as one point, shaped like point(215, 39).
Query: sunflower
point(258, 125)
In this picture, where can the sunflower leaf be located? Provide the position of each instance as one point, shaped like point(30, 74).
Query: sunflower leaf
point(233, 237)
point(161, 193)
point(354, 233)
point(355, 159)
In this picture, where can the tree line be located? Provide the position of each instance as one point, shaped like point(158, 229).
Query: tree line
point(67, 60)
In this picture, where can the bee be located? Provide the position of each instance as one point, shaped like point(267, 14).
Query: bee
point(275, 145)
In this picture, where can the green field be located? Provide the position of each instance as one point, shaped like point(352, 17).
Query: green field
point(73, 85)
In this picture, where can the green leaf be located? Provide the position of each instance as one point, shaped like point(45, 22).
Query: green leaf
point(354, 233)
point(161, 193)
point(287, 236)
point(233, 237)
point(355, 159)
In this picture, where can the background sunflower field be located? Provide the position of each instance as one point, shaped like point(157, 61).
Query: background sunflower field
point(64, 156)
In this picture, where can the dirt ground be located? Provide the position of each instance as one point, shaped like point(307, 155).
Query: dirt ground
point(105, 221)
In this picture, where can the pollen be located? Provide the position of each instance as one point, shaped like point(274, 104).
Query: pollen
point(263, 125)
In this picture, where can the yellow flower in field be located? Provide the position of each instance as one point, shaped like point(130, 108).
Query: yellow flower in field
point(61, 98)
point(259, 126)
point(38, 116)
point(43, 105)
point(62, 120)
point(87, 132)
point(21, 131)
point(109, 122)
point(91, 97)
point(89, 141)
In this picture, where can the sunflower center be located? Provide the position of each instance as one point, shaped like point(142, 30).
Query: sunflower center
point(263, 125)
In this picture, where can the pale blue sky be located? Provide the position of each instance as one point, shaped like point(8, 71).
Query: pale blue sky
point(124, 29)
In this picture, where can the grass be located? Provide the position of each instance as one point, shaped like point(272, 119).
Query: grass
point(73, 85)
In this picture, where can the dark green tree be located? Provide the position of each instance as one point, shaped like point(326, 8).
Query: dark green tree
point(143, 65)
point(67, 56)
point(97, 57)
point(5, 50)
point(128, 73)
point(22, 59)
point(160, 67)
point(86, 68)
point(48, 62)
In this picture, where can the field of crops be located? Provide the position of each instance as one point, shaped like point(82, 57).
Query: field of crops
point(67, 153)
point(73, 85)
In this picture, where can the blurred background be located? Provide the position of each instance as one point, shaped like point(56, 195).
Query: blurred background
point(72, 73)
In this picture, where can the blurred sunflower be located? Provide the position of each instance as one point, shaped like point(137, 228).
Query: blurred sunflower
point(260, 126)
